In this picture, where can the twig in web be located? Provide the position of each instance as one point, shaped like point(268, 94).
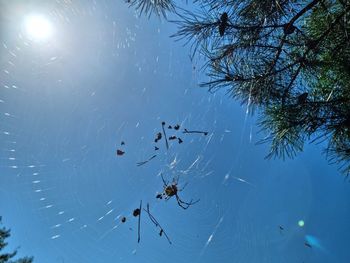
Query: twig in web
point(139, 223)
point(201, 132)
point(144, 162)
point(155, 222)
point(166, 140)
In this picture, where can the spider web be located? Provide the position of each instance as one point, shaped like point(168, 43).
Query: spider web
point(66, 109)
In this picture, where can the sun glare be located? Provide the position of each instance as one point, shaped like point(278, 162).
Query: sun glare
point(38, 28)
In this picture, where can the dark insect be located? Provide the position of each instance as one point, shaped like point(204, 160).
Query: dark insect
point(161, 232)
point(159, 196)
point(122, 143)
point(163, 123)
point(177, 127)
point(123, 219)
point(156, 148)
point(171, 190)
point(180, 141)
point(136, 212)
point(120, 152)
point(169, 127)
point(172, 138)
point(223, 23)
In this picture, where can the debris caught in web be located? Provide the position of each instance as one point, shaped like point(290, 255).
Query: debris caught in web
point(156, 223)
point(169, 189)
point(162, 135)
point(120, 152)
point(144, 162)
point(158, 137)
point(137, 212)
point(200, 132)
point(166, 140)
point(176, 127)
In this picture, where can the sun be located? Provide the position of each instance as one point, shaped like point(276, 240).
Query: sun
point(38, 28)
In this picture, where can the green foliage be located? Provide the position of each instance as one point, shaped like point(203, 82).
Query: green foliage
point(7, 257)
point(289, 59)
point(149, 7)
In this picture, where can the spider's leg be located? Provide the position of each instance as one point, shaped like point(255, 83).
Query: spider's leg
point(165, 184)
point(186, 204)
point(181, 203)
point(177, 179)
point(195, 202)
point(164, 195)
point(179, 190)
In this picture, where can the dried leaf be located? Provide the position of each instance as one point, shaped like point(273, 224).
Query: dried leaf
point(158, 137)
point(136, 212)
point(120, 152)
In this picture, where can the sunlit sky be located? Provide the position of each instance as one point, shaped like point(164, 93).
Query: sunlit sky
point(38, 28)
point(78, 78)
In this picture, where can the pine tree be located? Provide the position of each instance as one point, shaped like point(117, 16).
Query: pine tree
point(288, 59)
point(7, 257)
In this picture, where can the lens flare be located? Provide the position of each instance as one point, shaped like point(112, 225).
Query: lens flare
point(301, 223)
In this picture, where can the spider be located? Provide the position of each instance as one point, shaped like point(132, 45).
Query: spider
point(171, 190)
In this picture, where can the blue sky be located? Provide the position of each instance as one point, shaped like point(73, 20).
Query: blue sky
point(107, 76)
